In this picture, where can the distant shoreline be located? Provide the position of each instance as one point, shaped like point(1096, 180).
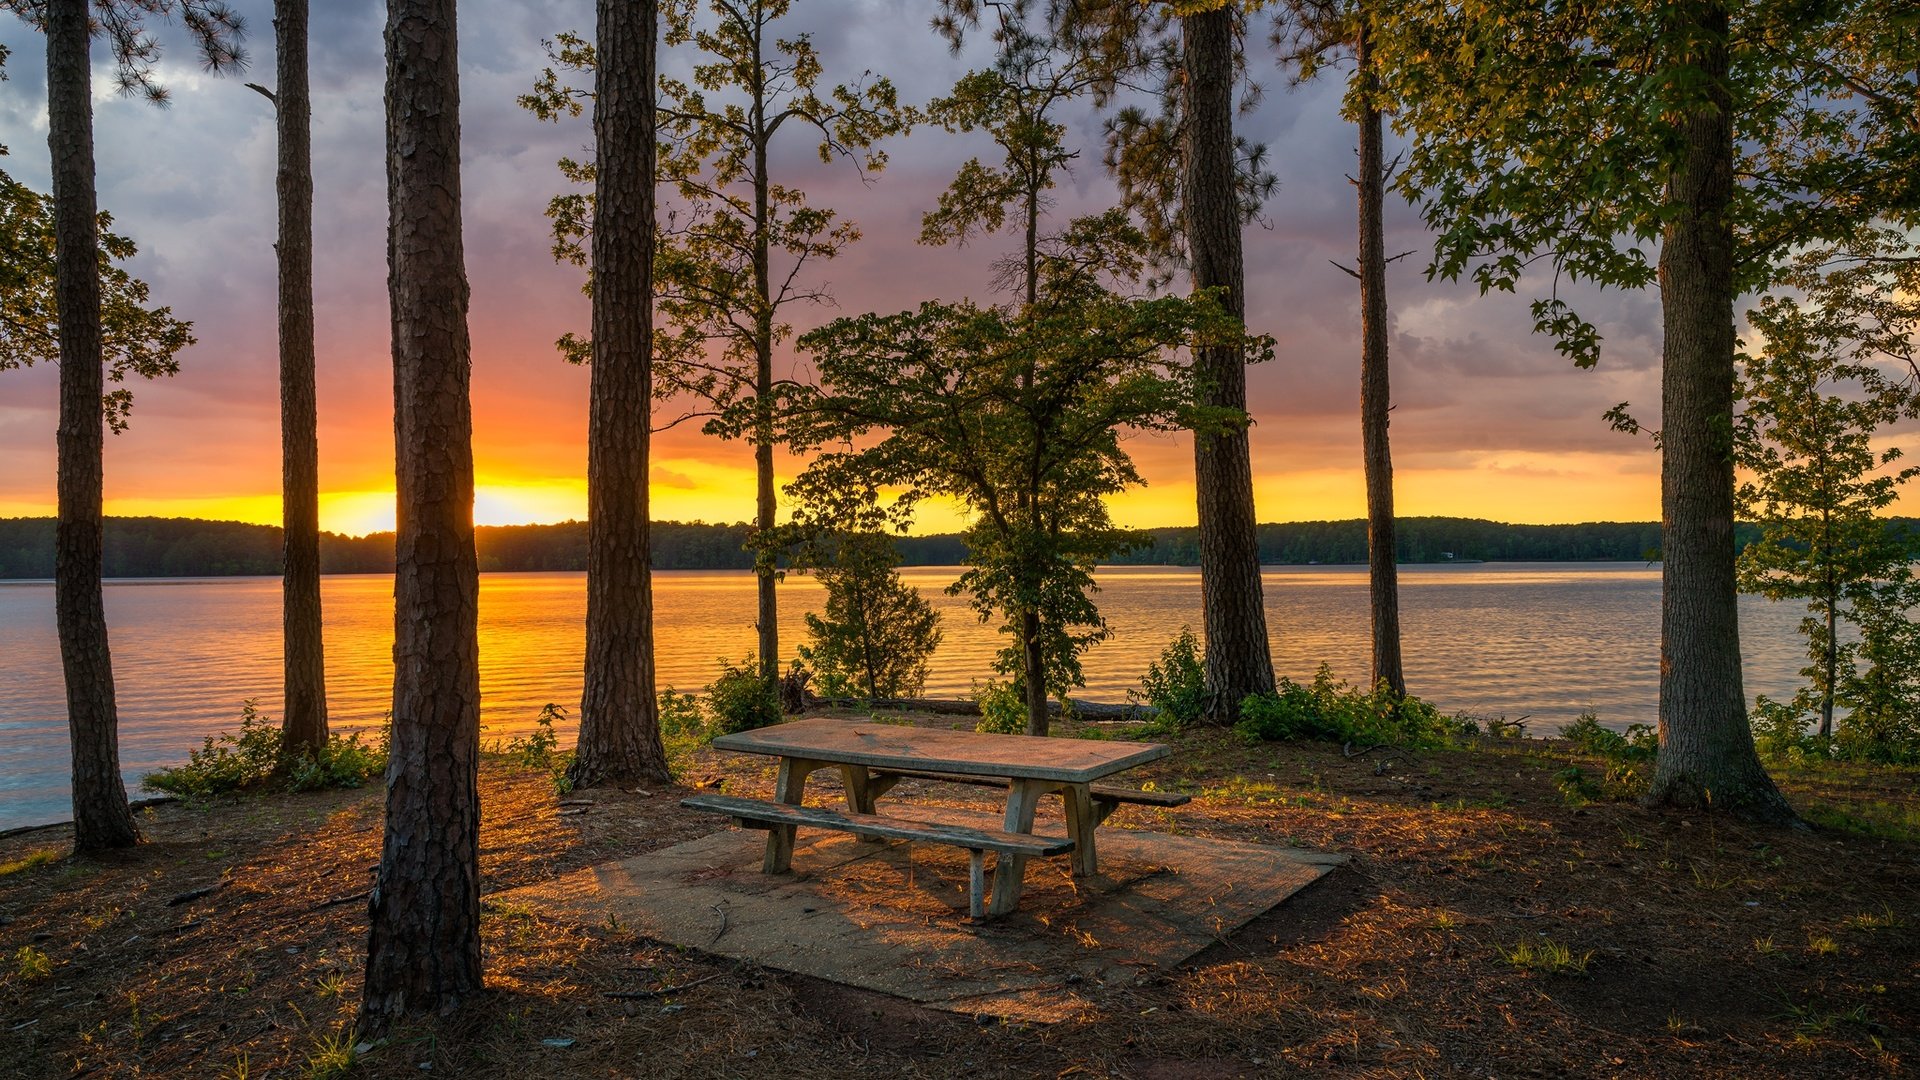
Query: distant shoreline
point(144, 547)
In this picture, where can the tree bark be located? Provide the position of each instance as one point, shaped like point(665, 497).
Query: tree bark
point(101, 817)
point(1239, 661)
point(423, 942)
point(304, 722)
point(619, 713)
point(1034, 660)
point(1707, 755)
point(1383, 575)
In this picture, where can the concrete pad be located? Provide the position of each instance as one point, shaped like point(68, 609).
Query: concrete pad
point(892, 917)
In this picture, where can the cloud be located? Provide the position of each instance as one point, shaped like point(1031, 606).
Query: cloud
point(193, 185)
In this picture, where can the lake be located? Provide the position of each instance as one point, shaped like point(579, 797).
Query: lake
point(1545, 640)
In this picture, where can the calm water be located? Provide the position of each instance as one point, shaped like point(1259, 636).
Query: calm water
point(1539, 639)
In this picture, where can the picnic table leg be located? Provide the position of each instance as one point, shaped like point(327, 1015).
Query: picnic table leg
point(1009, 871)
point(789, 784)
point(861, 794)
point(1081, 822)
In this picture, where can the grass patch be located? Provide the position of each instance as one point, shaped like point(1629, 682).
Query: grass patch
point(1878, 820)
point(1547, 956)
point(1884, 919)
point(36, 857)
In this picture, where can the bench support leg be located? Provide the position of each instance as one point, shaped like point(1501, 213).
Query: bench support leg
point(976, 883)
point(789, 785)
point(861, 794)
point(1009, 871)
point(1082, 820)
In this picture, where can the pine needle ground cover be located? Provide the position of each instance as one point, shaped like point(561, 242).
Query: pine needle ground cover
point(1704, 948)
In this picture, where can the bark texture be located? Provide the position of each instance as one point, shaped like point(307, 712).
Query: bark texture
point(304, 723)
point(1239, 661)
point(101, 817)
point(619, 714)
point(765, 505)
point(1707, 756)
point(1383, 575)
point(423, 943)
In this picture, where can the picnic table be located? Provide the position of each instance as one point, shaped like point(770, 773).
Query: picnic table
point(872, 758)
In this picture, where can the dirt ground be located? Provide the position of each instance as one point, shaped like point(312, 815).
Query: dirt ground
point(1695, 947)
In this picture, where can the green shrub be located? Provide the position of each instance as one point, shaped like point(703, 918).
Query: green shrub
point(740, 700)
point(1176, 684)
point(1330, 709)
point(257, 757)
point(1003, 709)
point(1638, 743)
point(540, 749)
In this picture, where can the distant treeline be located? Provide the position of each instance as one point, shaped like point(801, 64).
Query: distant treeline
point(188, 547)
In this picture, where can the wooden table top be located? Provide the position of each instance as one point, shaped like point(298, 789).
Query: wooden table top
point(892, 746)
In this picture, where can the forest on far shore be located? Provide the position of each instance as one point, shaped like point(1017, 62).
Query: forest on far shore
point(189, 547)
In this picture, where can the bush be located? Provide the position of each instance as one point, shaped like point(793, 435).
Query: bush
point(740, 700)
point(540, 749)
point(1003, 709)
point(1176, 684)
point(1330, 709)
point(257, 757)
point(1638, 743)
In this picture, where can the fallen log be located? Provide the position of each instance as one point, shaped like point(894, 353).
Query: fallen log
point(1085, 710)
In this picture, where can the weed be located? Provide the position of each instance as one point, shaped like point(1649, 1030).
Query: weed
point(1822, 945)
point(1445, 921)
point(332, 1055)
point(1548, 956)
point(331, 985)
point(1884, 919)
point(1765, 946)
point(241, 1069)
point(32, 965)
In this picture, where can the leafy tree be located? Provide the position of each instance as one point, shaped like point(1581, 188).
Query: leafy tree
point(101, 817)
point(729, 267)
point(1584, 134)
point(1310, 35)
point(1018, 414)
point(303, 655)
point(1819, 485)
point(620, 737)
point(423, 936)
point(877, 633)
point(1192, 183)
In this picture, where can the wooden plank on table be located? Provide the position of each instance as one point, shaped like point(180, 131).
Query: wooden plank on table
point(971, 753)
point(930, 832)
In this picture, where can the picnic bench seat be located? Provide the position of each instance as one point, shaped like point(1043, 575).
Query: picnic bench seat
point(1106, 797)
point(760, 814)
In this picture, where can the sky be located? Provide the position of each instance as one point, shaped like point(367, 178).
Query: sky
point(1488, 421)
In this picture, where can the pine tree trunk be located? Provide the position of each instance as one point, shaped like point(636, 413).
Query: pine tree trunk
point(1707, 756)
point(765, 506)
point(1383, 575)
point(423, 942)
point(619, 713)
point(304, 722)
point(101, 817)
point(1239, 661)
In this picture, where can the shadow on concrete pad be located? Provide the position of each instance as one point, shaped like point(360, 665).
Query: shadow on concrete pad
point(891, 917)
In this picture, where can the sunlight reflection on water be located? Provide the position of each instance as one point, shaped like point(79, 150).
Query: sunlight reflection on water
point(1539, 639)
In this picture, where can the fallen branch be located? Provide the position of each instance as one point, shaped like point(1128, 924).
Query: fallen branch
point(338, 900)
point(642, 995)
point(191, 895)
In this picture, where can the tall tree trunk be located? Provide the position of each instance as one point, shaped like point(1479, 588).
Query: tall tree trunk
point(1707, 756)
point(1831, 664)
point(1239, 661)
point(101, 817)
point(619, 714)
point(304, 723)
point(1383, 576)
point(765, 506)
point(423, 941)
